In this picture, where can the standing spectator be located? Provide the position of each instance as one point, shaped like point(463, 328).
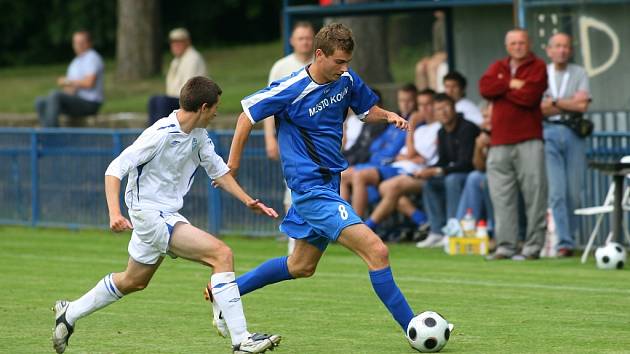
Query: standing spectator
point(187, 63)
point(516, 161)
point(565, 101)
point(82, 87)
point(427, 68)
point(455, 86)
point(302, 42)
point(445, 180)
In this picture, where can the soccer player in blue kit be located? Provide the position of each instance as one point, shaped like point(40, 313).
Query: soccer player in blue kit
point(310, 106)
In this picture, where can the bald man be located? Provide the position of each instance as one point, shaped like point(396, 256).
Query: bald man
point(516, 160)
point(565, 101)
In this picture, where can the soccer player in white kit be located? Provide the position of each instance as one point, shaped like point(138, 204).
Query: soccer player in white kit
point(161, 164)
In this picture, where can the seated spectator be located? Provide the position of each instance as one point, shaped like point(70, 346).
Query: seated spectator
point(476, 195)
point(187, 63)
point(427, 68)
point(445, 180)
point(455, 86)
point(421, 151)
point(357, 136)
point(386, 146)
point(81, 91)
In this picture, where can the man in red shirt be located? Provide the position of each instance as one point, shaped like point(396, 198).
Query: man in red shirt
point(516, 161)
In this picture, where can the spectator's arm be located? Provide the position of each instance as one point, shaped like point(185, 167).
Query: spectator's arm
point(409, 143)
point(86, 83)
point(494, 82)
point(578, 103)
point(530, 94)
point(480, 155)
point(463, 163)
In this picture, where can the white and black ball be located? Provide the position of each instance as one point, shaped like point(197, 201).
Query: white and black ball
point(611, 256)
point(428, 332)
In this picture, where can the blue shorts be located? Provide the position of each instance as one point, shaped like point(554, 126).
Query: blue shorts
point(318, 216)
point(388, 171)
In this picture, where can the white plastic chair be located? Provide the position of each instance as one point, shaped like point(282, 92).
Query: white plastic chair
point(606, 208)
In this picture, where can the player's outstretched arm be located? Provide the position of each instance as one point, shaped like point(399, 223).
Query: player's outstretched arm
point(378, 115)
point(241, 134)
point(229, 184)
point(117, 222)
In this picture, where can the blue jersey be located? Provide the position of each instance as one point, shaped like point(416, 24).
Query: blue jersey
point(309, 120)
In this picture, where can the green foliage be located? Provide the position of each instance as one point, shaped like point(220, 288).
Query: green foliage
point(39, 31)
point(547, 306)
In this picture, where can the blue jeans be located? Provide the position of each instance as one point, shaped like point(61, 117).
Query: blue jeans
point(440, 198)
point(565, 157)
point(476, 196)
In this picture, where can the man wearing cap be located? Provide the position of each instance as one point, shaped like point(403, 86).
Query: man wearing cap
point(187, 63)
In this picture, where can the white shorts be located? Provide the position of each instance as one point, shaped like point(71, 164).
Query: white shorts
point(151, 234)
point(287, 197)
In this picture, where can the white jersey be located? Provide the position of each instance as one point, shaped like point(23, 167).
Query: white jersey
point(425, 143)
point(161, 165)
point(470, 111)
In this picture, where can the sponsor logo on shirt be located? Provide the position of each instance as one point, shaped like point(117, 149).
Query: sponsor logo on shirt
point(328, 101)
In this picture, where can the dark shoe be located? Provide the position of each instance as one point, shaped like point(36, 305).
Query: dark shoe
point(565, 253)
point(497, 257)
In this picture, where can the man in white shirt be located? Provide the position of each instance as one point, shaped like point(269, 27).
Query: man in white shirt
point(455, 87)
point(187, 63)
point(565, 101)
point(302, 43)
point(82, 87)
point(161, 165)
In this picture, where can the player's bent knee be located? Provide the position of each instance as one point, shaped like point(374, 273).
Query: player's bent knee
point(221, 256)
point(378, 255)
point(302, 270)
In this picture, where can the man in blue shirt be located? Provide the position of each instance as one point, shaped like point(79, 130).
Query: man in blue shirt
point(310, 106)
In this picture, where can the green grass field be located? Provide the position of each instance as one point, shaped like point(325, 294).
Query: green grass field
point(239, 70)
point(547, 306)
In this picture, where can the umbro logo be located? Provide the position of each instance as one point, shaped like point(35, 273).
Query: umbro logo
point(175, 142)
point(326, 91)
point(236, 299)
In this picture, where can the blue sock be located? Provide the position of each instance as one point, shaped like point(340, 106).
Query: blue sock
point(418, 217)
point(387, 290)
point(371, 223)
point(272, 271)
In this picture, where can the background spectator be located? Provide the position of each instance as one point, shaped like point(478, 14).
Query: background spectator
point(516, 161)
point(420, 151)
point(455, 86)
point(187, 63)
point(386, 146)
point(566, 99)
point(82, 87)
point(359, 136)
point(427, 68)
point(445, 180)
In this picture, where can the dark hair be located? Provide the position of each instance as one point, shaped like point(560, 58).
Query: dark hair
point(457, 77)
point(409, 87)
point(332, 37)
point(197, 91)
point(427, 92)
point(304, 24)
point(442, 97)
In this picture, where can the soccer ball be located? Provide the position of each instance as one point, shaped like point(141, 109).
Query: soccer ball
point(428, 332)
point(611, 256)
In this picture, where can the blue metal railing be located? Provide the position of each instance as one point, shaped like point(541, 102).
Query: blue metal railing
point(54, 177)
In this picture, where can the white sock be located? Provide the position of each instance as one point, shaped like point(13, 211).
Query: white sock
point(103, 294)
point(228, 299)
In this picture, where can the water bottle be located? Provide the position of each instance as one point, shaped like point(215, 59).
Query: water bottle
point(468, 224)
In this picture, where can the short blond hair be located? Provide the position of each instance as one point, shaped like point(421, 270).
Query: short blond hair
point(332, 37)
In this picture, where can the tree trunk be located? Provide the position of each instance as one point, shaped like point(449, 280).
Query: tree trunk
point(370, 58)
point(138, 49)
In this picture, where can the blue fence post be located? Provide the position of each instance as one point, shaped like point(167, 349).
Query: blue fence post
point(34, 180)
point(214, 196)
